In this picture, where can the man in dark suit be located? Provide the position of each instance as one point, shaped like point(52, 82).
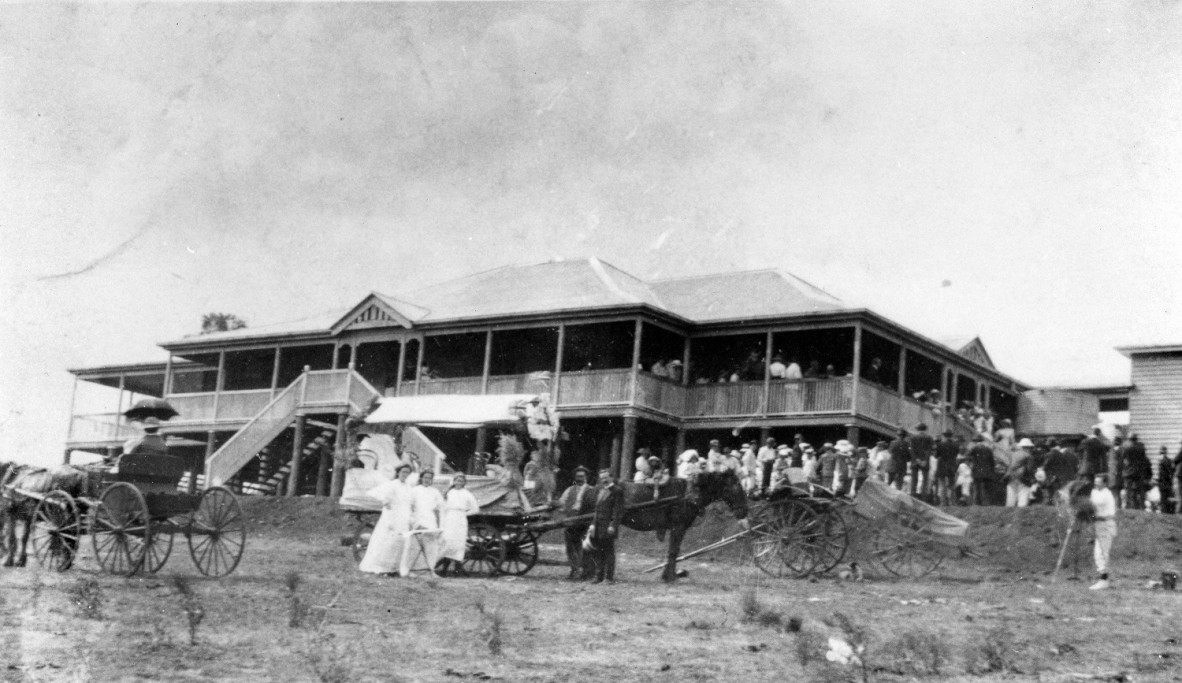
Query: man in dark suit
point(1138, 471)
point(922, 446)
point(900, 460)
point(577, 499)
point(1093, 456)
point(609, 514)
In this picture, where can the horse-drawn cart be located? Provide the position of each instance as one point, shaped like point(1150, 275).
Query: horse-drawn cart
point(799, 531)
point(131, 514)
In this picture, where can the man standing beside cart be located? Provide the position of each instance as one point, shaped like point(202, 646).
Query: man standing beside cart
point(577, 499)
point(605, 526)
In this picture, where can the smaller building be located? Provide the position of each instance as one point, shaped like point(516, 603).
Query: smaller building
point(1155, 397)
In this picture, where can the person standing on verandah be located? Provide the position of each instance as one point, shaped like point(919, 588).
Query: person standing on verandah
point(384, 552)
point(458, 505)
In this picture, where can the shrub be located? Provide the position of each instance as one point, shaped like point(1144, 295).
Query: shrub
point(918, 653)
point(191, 603)
point(493, 628)
point(995, 653)
point(87, 596)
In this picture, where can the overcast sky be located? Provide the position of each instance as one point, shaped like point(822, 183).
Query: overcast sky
point(982, 168)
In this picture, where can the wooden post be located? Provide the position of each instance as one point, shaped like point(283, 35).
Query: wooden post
point(66, 456)
point(275, 370)
point(952, 399)
point(487, 364)
point(902, 369)
point(339, 466)
point(211, 438)
point(70, 428)
point(322, 470)
point(401, 366)
point(555, 395)
point(635, 362)
point(628, 448)
point(615, 455)
point(852, 433)
point(857, 370)
point(685, 364)
point(765, 433)
point(679, 443)
point(221, 381)
point(297, 449)
point(482, 439)
point(767, 374)
point(419, 366)
point(119, 407)
point(167, 388)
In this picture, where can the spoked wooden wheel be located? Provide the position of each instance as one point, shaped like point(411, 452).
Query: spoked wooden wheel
point(217, 532)
point(56, 527)
point(119, 527)
point(782, 541)
point(830, 541)
point(361, 540)
point(158, 549)
point(521, 551)
point(906, 549)
point(485, 552)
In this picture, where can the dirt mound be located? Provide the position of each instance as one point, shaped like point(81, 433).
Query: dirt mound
point(304, 517)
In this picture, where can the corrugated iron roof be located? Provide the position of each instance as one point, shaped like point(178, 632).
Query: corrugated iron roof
point(743, 295)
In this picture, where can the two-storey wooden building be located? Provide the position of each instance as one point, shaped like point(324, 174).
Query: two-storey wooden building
point(629, 363)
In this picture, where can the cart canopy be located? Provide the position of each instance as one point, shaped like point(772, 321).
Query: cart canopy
point(456, 411)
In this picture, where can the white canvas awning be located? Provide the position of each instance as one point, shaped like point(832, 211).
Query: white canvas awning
point(454, 410)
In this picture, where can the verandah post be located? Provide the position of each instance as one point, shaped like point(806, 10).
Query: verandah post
point(628, 448)
point(297, 449)
point(339, 455)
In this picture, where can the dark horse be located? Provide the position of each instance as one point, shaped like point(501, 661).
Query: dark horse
point(686, 501)
point(16, 508)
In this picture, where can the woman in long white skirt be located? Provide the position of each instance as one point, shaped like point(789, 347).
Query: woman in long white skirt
point(388, 539)
point(422, 551)
point(458, 505)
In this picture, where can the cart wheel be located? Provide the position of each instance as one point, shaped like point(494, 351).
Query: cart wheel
point(521, 551)
point(485, 552)
point(56, 527)
point(361, 540)
point(158, 550)
point(217, 532)
point(905, 550)
point(118, 528)
point(831, 542)
point(782, 545)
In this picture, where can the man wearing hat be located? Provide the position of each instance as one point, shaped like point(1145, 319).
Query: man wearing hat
point(947, 451)
point(1138, 471)
point(982, 463)
point(577, 499)
point(148, 443)
point(715, 460)
point(766, 458)
point(900, 457)
point(922, 447)
point(1020, 476)
point(605, 526)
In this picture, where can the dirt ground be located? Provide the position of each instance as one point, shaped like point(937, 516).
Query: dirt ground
point(991, 614)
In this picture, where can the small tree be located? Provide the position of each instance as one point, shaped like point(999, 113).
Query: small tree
point(221, 322)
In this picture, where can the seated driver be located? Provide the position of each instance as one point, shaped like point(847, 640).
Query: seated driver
point(151, 442)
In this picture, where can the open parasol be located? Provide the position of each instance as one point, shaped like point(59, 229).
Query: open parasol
point(151, 407)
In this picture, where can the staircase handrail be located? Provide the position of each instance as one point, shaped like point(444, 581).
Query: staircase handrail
point(357, 378)
point(222, 454)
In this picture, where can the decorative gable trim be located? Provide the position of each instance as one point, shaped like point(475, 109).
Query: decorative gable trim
point(372, 312)
point(975, 351)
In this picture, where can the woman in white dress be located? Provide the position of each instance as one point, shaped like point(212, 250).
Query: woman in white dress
point(427, 506)
point(384, 552)
point(458, 505)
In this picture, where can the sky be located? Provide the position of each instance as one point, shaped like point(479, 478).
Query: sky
point(980, 168)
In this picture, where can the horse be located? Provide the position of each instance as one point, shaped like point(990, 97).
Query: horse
point(16, 508)
point(675, 513)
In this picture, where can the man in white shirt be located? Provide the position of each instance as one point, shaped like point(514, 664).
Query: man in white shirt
point(1105, 527)
point(793, 371)
point(715, 460)
point(766, 458)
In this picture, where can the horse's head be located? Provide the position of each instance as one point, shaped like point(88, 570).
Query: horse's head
point(724, 486)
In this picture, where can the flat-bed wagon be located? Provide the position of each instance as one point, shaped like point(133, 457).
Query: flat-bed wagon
point(132, 513)
point(800, 530)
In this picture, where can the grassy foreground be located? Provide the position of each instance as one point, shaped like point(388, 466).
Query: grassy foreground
point(996, 618)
